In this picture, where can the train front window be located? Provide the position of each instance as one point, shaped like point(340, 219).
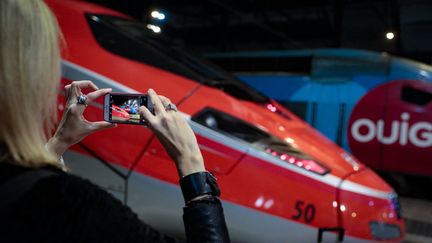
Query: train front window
point(123, 43)
point(132, 40)
point(415, 96)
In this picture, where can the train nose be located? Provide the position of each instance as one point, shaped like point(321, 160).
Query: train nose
point(369, 208)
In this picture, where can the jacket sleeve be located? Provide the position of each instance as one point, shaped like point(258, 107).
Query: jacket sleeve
point(205, 222)
point(108, 218)
point(75, 210)
point(79, 209)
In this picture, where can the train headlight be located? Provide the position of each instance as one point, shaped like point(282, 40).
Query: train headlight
point(384, 231)
point(396, 204)
point(298, 159)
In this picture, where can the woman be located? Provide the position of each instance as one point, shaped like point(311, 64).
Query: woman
point(40, 202)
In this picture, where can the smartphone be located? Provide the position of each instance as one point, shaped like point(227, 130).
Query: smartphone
point(124, 108)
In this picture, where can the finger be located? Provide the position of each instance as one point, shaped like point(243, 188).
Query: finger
point(75, 91)
point(165, 101)
point(101, 125)
point(77, 86)
point(84, 84)
point(158, 107)
point(76, 111)
point(96, 94)
point(79, 108)
point(148, 117)
point(67, 91)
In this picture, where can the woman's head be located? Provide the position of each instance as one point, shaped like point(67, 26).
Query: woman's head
point(29, 77)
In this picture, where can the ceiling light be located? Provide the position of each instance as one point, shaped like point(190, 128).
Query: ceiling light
point(157, 15)
point(390, 35)
point(153, 27)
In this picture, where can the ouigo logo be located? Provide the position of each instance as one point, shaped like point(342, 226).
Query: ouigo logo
point(419, 134)
point(390, 128)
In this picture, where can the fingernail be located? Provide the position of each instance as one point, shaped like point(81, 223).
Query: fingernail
point(151, 91)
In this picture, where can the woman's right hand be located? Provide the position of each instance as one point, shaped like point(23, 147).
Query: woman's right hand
point(174, 134)
point(73, 126)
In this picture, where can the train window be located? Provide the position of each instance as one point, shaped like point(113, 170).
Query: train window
point(242, 130)
point(117, 41)
point(132, 40)
point(230, 125)
point(347, 67)
point(298, 108)
point(415, 96)
point(298, 65)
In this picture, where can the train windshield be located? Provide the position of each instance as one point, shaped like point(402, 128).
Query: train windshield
point(133, 40)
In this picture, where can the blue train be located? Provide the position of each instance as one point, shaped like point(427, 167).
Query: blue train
point(324, 87)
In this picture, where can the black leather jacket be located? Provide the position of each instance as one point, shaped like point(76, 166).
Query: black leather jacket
point(67, 208)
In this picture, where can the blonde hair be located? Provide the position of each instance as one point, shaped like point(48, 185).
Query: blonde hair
point(29, 78)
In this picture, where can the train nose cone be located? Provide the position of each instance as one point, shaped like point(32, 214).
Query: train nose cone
point(369, 208)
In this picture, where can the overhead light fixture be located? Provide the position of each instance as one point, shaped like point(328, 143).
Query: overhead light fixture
point(154, 28)
point(390, 35)
point(157, 15)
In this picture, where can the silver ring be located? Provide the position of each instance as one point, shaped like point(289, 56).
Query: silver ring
point(171, 107)
point(82, 100)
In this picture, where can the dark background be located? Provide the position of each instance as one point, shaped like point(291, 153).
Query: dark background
point(222, 25)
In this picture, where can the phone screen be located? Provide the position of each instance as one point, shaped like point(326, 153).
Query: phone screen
point(124, 108)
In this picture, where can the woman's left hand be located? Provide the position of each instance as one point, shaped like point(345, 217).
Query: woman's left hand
point(73, 126)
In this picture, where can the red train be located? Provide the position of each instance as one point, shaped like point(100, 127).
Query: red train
point(280, 179)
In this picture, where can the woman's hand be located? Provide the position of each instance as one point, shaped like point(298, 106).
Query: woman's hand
point(174, 134)
point(73, 126)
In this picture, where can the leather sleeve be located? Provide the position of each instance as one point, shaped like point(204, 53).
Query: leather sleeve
point(205, 222)
point(70, 209)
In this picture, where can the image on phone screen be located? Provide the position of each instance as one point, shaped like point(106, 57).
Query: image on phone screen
point(125, 109)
